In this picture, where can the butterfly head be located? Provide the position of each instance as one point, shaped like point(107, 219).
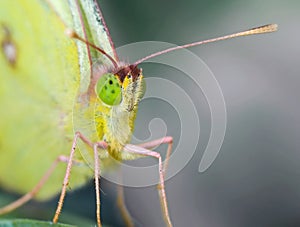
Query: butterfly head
point(124, 86)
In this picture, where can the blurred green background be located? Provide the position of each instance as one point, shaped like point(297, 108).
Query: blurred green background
point(255, 179)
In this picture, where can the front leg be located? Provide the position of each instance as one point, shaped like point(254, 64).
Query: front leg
point(101, 145)
point(155, 143)
point(95, 146)
point(161, 186)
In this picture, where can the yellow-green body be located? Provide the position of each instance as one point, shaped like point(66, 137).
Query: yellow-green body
point(115, 124)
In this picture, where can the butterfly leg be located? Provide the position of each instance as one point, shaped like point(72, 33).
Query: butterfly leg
point(78, 135)
point(161, 186)
point(148, 145)
point(154, 143)
point(101, 145)
point(122, 206)
point(95, 146)
point(28, 196)
point(66, 179)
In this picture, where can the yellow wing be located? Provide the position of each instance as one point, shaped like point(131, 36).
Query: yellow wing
point(40, 76)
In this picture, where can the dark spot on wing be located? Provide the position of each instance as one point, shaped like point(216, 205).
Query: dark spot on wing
point(8, 46)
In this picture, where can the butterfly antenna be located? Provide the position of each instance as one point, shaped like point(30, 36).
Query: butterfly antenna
point(72, 34)
point(258, 30)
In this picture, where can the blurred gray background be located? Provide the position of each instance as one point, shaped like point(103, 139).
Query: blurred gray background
point(255, 179)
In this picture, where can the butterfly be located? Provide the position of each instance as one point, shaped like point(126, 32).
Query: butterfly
point(68, 98)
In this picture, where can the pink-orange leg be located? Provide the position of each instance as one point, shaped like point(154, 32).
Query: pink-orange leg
point(161, 186)
point(154, 143)
point(66, 179)
point(101, 145)
point(120, 200)
point(28, 196)
point(68, 172)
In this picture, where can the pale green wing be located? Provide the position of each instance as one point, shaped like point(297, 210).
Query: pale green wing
point(38, 89)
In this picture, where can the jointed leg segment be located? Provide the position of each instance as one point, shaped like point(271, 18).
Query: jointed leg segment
point(161, 186)
point(95, 146)
point(101, 145)
point(154, 143)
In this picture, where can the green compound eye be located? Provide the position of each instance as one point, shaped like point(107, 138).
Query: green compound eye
point(108, 89)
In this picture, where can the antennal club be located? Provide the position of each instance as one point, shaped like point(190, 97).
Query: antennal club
point(72, 34)
point(254, 31)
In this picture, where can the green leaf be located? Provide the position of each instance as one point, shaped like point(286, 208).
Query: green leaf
point(29, 223)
